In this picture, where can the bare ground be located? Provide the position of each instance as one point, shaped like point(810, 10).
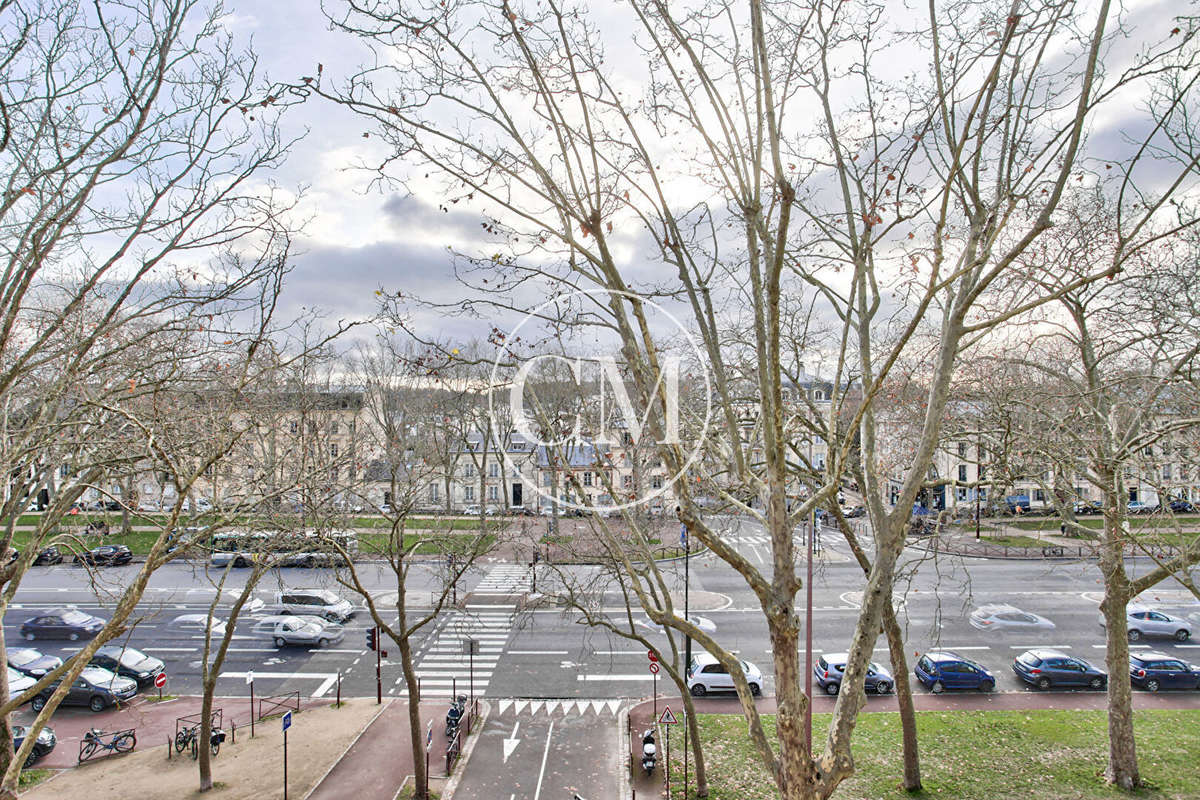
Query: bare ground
point(252, 768)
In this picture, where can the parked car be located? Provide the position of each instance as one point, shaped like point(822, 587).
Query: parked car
point(1180, 506)
point(945, 669)
point(48, 556)
point(1007, 619)
point(829, 668)
point(1153, 671)
point(198, 623)
point(110, 555)
point(129, 663)
point(706, 674)
point(1017, 504)
point(30, 662)
point(312, 602)
point(18, 682)
point(1084, 507)
point(472, 511)
point(149, 505)
point(1046, 669)
point(285, 630)
point(62, 623)
point(703, 623)
point(1137, 507)
point(1144, 621)
point(41, 748)
point(857, 511)
point(95, 688)
point(491, 511)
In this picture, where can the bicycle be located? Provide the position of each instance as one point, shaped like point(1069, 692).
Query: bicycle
point(93, 742)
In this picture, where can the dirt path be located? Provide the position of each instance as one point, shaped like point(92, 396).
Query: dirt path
point(252, 768)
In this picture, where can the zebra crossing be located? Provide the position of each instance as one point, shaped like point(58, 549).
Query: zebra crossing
point(446, 666)
point(551, 706)
point(505, 579)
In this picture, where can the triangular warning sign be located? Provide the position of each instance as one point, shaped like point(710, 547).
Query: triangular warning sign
point(667, 718)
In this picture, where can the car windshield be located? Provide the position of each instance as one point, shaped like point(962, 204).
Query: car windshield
point(22, 657)
point(131, 657)
point(97, 675)
point(75, 618)
point(329, 597)
point(312, 627)
point(1029, 658)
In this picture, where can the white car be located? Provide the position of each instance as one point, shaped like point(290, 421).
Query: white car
point(703, 623)
point(706, 674)
point(312, 602)
point(1008, 619)
point(306, 631)
point(1143, 621)
point(18, 682)
point(197, 623)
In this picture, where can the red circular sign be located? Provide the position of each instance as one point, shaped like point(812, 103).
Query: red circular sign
point(160, 680)
point(650, 655)
point(653, 668)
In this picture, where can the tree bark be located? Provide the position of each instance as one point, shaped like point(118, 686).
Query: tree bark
point(903, 689)
point(420, 776)
point(6, 739)
point(1122, 769)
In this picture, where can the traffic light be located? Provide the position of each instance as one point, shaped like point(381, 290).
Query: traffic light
point(372, 638)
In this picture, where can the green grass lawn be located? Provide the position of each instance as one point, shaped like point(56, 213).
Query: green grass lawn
point(1032, 755)
point(1097, 523)
point(1013, 541)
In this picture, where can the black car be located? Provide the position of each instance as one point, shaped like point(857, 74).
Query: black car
point(30, 662)
point(1181, 506)
point(111, 555)
point(42, 747)
point(1046, 669)
point(128, 663)
point(1153, 671)
point(62, 623)
point(95, 688)
point(47, 556)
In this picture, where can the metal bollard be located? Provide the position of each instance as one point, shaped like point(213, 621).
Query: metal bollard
point(232, 732)
point(169, 748)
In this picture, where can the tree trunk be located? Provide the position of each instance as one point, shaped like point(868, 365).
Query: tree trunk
point(903, 689)
point(415, 734)
point(205, 734)
point(6, 739)
point(1122, 767)
point(795, 759)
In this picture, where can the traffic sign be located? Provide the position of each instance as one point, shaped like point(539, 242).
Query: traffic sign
point(160, 680)
point(287, 720)
point(667, 718)
point(650, 655)
point(429, 736)
point(250, 677)
point(653, 668)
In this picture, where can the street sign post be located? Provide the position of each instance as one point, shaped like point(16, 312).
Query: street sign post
point(160, 680)
point(667, 718)
point(471, 648)
point(654, 671)
point(287, 723)
point(250, 683)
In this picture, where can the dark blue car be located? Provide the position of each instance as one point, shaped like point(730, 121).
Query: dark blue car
point(44, 744)
point(828, 674)
point(944, 669)
point(1153, 671)
point(1046, 669)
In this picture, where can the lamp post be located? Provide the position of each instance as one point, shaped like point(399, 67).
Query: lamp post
point(808, 611)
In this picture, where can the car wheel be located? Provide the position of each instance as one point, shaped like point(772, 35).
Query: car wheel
point(239, 562)
point(755, 690)
point(883, 687)
point(1151, 685)
point(322, 642)
point(37, 703)
point(97, 704)
point(832, 688)
point(74, 637)
point(1182, 635)
point(698, 690)
point(1134, 634)
point(937, 687)
point(279, 642)
point(29, 637)
point(30, 759)
point(987, 686)
point(1096, 684)
point(1043, 683)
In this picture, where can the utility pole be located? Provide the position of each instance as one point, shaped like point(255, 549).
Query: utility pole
point(808, 610)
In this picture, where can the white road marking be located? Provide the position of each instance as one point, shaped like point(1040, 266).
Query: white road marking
point(538, 791)
point(639, 677)
point(1039, 647)
point(538, 652)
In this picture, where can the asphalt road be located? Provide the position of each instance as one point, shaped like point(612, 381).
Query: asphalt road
point(547, 653)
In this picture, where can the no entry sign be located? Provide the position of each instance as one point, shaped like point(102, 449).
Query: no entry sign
point(160, 680)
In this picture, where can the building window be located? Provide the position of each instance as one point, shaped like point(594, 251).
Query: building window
point(1039, 496)
point(468, 493)
point(434, 492)
point(587, 479)
point(962, 449)
point(294, 426)
point(493, 493)
point(962, 494)
point(962, 473)
point(333, 427)
point(494, 470)
point(333, 450)
point(627, 481)
point(656, 482)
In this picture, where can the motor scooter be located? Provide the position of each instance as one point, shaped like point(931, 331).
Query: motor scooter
point(649, 751)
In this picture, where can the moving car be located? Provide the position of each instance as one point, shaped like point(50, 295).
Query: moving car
point(1136, 507)
point(48, 556)
point(41, 748)
point(314, 602)
point(1143, 621)
point(18, 682)
point(1008, 619)
point(30, 662)
point(1046, 669)
point(706, 674)
point(128, 663)
point(703, 623)
point(110, 555)
point(198, 623)
point(829, 668)
point(944, 669)
point(95, 688)
point(285, 630)
point(62, 623)
point(1153, 671)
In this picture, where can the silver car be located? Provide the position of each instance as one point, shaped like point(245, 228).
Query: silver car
point(1144, 621)
point(1008, 619)
point(285, 630)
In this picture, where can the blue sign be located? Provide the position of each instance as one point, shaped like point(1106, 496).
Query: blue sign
point(683, 539)
point(287, 720)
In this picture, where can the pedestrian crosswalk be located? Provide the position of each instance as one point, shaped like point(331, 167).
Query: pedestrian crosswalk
point(448, 667)
point(560, 707)
point(505, 579)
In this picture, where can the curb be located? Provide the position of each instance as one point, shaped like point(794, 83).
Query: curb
point(349, 747)
point(625, 789)
point(453, 780)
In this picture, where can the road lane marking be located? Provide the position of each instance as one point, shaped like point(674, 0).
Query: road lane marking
point(538, 652)
point(1039, 647)
point(538, 791)
point(638, 677)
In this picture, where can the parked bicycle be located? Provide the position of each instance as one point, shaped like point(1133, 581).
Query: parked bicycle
point(189, 738)
point(94, 742)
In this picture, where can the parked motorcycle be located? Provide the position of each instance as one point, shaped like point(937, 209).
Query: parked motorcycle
point(649, 751)
point(455, 714)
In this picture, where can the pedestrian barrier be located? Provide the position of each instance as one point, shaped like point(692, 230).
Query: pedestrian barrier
point(277, 704)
